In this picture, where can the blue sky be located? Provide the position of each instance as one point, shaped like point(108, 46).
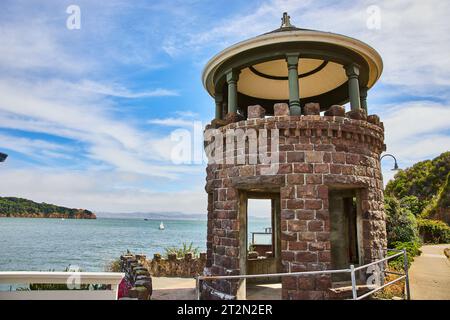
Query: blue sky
point(86, 115)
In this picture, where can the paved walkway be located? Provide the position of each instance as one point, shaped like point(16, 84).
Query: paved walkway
point(430, 274)
point(171, 288)
point(165, 288)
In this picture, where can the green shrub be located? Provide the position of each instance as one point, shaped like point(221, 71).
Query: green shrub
point(181, 251)
point(413, 204)
point(61, 286)
point(434, 231)
point(113, 266)
point(401, 224)
point(412, 250)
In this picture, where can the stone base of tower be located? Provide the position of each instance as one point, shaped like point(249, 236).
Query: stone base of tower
point(328, 182)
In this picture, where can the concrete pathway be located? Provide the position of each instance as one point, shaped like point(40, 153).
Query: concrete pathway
point(171, 288)
point(430, 274)
point(270, 291)
point(165, 288)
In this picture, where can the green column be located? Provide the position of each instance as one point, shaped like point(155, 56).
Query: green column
point(232, 79)
point(352, 72)
point(363, 94)
point(294, 95)
point(218, 97)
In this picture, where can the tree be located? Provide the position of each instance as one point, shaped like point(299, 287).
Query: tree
point(401, 224)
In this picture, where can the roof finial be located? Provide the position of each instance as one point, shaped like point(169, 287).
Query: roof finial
point(286, 21)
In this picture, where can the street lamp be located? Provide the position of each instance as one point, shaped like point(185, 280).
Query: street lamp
point(395, 161)
point(3, 156)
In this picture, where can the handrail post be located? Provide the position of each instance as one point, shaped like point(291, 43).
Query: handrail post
point(405, 265)
point(352, 273)
point(382, 266)
point(197, 284)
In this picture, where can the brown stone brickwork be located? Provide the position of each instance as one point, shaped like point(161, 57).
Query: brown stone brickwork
point(188, 266)
point(316, 153)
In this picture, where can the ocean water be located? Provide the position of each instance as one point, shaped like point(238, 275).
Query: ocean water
point(28, 244)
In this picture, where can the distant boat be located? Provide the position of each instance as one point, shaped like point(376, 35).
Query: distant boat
point(161, 226)
point(63, 219)
point(145, 219)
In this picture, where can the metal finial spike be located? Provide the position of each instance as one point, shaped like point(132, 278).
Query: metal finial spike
point(286, 21)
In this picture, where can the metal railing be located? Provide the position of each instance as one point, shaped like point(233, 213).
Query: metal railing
point(352, 270)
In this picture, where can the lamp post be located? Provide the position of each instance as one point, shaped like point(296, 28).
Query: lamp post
point(3, 156)
point(395, 161)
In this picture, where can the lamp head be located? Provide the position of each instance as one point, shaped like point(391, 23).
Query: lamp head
point(395, 166)
point(3, 156)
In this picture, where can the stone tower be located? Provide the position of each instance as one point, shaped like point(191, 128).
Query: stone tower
point(282, 133)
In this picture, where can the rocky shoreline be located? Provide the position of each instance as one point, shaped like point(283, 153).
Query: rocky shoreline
point(80, 215)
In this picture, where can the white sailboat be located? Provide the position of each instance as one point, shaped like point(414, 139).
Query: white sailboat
point(161, 226)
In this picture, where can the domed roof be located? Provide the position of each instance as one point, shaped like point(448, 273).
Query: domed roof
point(322, 55)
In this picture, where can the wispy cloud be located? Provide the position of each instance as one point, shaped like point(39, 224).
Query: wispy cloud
point(412, 39)
point(86, 120)
point(99, 191)
point(115, 90)
point(417, 130)
point(172, 122)
point(34, 148)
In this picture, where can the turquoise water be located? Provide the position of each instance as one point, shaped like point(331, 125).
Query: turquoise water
point(28, 244)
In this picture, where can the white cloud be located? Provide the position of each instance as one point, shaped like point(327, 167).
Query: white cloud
point(120, 91)
point(413, 39)
point(34, 148)
point(172, 122)
point(187, 114)
point(26, 48)
point(85, 118)
point(417, 130)
point(98, 191)
point(408, 119)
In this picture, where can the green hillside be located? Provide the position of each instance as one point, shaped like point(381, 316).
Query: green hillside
point(426, 186)
point(417, 203)
point(18, 207)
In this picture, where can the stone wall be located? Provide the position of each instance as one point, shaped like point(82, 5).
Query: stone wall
point(316, 153)
point(138, 283)
point(176, 267)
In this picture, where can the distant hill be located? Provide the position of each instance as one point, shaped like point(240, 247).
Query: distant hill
point(429, 182)
point(153, 215)
point(159, 215)
point(18, 207)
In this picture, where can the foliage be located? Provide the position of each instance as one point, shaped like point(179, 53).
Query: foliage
point(440, 201)
point(113, 266)
point(424, 191)
point(428, 181)
point(61, 286)
point(413, 204)
point(11, 206)
point(412, 250)
point(181, 251)
point(401, 224)
point(434, 231)
point(396, 289)
point(422, 180)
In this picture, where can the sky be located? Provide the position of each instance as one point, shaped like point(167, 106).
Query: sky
point(89, 116)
